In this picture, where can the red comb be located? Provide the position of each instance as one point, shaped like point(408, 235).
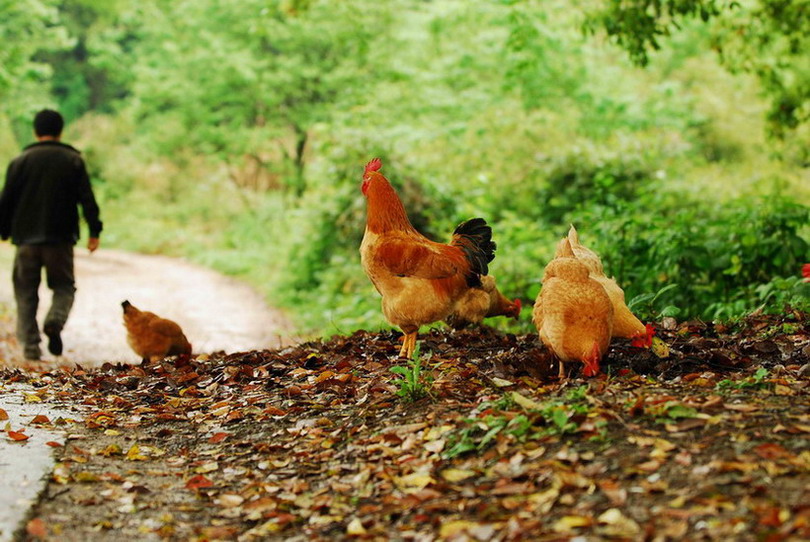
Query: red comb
point(374, 165)
point(644, 340)
point(592, 362)
point(518, 307)
point(806, 272)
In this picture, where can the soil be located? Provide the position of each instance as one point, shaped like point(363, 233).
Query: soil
point(704, 438)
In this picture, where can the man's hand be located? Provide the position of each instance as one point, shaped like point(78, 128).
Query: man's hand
point(92, 244)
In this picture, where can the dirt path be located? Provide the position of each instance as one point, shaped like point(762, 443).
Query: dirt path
point(216, 312)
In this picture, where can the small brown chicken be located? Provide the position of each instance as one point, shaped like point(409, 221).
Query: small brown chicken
point(572, 313)
point(152, 337)
point(484, 302)
point(625, 323)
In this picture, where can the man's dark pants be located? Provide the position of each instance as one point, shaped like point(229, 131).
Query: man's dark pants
point(28, 263)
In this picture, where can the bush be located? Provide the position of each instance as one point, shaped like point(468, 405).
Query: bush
point(726, 259)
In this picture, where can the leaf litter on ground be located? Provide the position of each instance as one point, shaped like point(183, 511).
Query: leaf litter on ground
point(707, 439)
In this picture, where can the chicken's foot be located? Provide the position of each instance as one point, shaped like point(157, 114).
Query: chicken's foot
point(408, 345)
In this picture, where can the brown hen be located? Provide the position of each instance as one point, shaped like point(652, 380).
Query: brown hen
point(484, 302)
point(152, 337)
point(625, 323)
point(572, 313)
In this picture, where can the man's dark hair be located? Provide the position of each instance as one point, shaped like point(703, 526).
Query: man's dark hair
point(48, 123)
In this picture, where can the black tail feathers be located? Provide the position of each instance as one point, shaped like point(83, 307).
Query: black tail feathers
point(474, 237)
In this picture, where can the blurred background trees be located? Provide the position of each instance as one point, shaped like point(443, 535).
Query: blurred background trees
point(234, 134)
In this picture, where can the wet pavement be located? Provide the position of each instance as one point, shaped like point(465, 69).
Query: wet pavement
point(25, 466)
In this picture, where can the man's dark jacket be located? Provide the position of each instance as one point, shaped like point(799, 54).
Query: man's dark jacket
point(44, 186)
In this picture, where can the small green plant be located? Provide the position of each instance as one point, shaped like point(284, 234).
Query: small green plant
point(477, 434)
point(414, 384)
point(577, 394)
point(540, 420)
point(756, 381)
point(671, 412)
point(644, 304)
point(559, 418)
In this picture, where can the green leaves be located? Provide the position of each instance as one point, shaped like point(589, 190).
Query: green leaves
point(414, 384)
point(763, 38)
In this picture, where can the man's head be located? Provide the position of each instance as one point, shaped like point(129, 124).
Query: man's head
point(48, 123)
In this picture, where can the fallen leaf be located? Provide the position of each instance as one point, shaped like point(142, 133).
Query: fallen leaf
point(211, 466)
point(741, 407)
point(355, 528)
point(17, 435)
point(659, 348)
point(613, 491)
point(770, 450)
point(685, 425)
point(273, 411)
point(36, 528)
point(567, 524)
point(85, 477)
point(452, 528)
point(3, 415)
point(229, 500)
point(544, 501)
point(198, 482)
point(324, 376)
point(40, 419)
point(134, 454)
point(779, 389)
point(416, 481)
point(111, 450)
point(53, 444)
point(218, 437)
point(619, 525)
point(457, 475)
point(525, 402)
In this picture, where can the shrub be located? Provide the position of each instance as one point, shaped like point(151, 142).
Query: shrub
point(726, 259)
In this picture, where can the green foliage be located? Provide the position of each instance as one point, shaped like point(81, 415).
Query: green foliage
point(413, 384)
point(477, 435)
point(767, 38)
point(644, 305)
point(756, 381)
point(551, 418)
point(26, 28)
point(671, 412)
point(639, 25)
point(235, 134)
point(580, 180)
point(725, 253)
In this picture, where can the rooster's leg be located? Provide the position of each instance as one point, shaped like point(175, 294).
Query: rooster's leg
point(403, 351)
point(562, 370)
point(408, 345)
point(412, 345)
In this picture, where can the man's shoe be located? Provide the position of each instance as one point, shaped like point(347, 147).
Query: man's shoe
point(54, 339)
point(32, 353)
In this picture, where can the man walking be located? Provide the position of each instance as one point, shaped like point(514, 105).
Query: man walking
point(39, 211)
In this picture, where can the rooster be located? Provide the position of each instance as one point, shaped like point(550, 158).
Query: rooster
point(479, 303)
point(420, 281)
point(806, 272)
point(572, 313)
point(152, 337)
point(625, 323)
